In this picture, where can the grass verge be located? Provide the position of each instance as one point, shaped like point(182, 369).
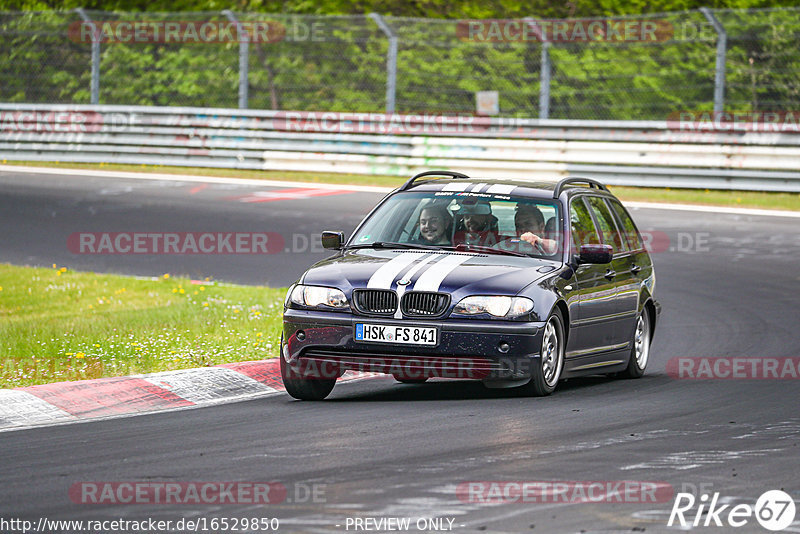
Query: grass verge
point(56, 324)
point(714, 197)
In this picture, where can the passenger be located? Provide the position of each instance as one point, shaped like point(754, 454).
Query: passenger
point(435, 226)
point(530, 226)
point(478, 225)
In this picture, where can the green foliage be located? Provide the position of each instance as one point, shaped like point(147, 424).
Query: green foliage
point(56, 324)
point(324, 62)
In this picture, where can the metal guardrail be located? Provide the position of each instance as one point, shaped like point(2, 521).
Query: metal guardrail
point(641, 153)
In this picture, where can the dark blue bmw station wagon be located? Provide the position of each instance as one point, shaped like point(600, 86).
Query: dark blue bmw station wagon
point(515, 283)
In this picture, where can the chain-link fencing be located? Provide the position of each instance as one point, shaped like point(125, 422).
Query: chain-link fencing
point(623, 68)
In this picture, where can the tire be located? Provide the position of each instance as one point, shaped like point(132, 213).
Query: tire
point(545, 376)
point(310, 389)
point(640, 347)
point(410, 380)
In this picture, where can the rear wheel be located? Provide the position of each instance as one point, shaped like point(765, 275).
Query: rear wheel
point(304, 387)
point(640, 347)
point(545, 375)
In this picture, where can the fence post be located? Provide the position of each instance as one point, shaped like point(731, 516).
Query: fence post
point(244, 58)
point(544, 75)
point(722, 46)
point(391, 61)
point(95, 87)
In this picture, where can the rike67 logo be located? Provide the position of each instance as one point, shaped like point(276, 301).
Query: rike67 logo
point(774, 510)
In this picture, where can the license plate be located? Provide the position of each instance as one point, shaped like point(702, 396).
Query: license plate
point(408, 335)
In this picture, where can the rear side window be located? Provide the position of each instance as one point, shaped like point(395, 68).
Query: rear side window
point(608, 226)
point(629, 228)
point(583, 230)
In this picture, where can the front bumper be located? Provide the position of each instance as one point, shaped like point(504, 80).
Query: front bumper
point(467, 348)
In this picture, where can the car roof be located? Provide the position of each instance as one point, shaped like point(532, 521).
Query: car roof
point(537, 188)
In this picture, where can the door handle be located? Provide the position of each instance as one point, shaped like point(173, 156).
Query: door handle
point(635, 268)
point(610, 274)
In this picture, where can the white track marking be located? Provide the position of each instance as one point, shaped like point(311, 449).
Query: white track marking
point(189, 178)
point(361, 188)
point(713, 209)
point(22, 408)
point(207, 384)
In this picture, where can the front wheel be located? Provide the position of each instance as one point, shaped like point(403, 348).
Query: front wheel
point(640, 350)
point(545, 375)
point(309, 388)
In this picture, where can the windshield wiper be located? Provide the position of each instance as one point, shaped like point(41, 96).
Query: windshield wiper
point(391, 244)
point(463, 247)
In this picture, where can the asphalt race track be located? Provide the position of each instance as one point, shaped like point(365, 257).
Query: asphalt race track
point(729, 286)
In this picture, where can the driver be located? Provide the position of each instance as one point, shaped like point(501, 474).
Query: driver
point(529, 223)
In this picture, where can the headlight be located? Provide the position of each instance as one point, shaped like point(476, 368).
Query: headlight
point(495, 306)
point(316, 296)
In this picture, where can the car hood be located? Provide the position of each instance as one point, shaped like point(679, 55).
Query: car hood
point(457, 273)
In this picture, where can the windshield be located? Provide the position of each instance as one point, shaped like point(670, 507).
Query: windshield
point(444, 219)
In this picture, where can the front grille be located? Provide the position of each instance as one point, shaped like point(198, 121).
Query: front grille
point(375, 301)
point(424, 304)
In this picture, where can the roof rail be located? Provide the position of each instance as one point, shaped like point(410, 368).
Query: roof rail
point(451, 174)
point(577, 180)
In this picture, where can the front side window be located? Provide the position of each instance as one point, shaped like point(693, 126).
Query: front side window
point(447, 219)
point(583, 230)
point(631, 232)
point(609, 232)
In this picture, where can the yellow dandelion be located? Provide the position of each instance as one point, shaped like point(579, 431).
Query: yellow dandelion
point(259, 334)
point(80, 355)
point(235, 311)
point(205, 304)
point(202, 289)
point(181, 291)
point(55, 266)
point(90, 306)
point(174, 289)
point(195, 293)
point(58, 273)
point(1, 288)
point(166, 276)
point(97, 344)
point(63, 269)
point(69, 354)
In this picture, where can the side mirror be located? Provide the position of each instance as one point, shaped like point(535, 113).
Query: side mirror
point(332, 240)
point(596, 254)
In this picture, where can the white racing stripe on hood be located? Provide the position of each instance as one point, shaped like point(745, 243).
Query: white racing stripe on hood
point(409, 275)
point(385, 275)
point(431, 279)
